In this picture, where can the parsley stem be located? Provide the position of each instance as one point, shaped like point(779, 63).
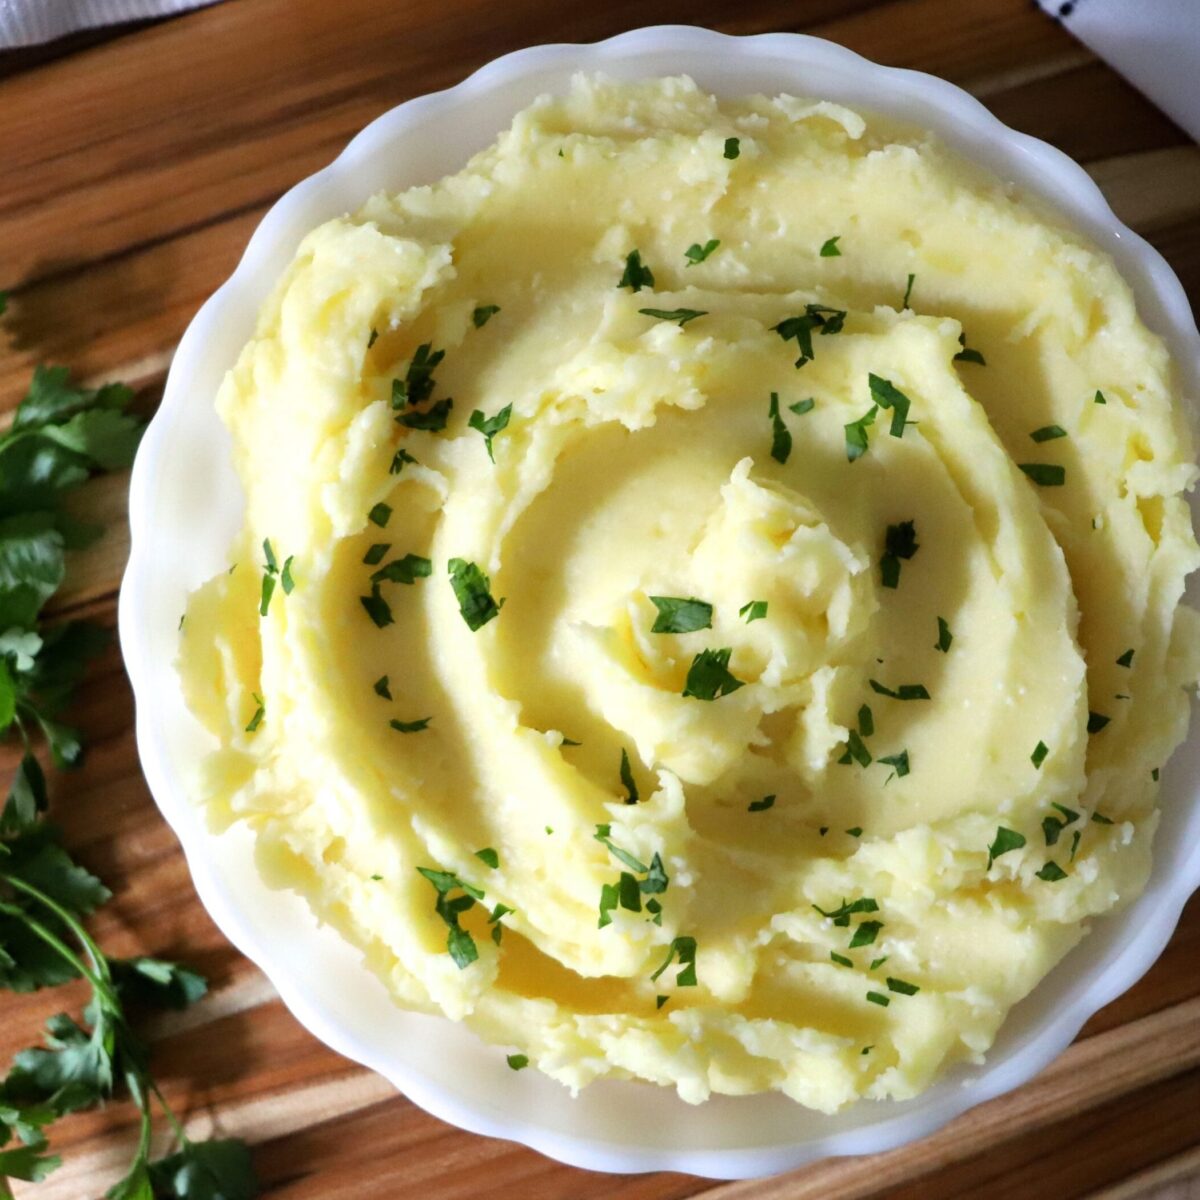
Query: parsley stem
point(100, 986)
point(97, 956)
point(184, 1140)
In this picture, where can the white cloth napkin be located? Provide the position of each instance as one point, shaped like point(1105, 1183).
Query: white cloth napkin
point(30, 22)
point(1155, 44)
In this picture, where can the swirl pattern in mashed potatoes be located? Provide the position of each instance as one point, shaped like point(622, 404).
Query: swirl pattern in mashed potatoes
point(887, 457)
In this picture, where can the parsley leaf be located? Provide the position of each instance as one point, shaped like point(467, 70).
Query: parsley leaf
point(899, 542)
point(1005, 840)
point(483, 314)
point(214, 1170)
point(709, 676)
point(830, 248)
point(677, 615)
point(472, 590)
point(490, 426)
point(696, 253)
point(1045, 474)
point(945, 637)
point(781, 439)
point(636, 276)
point(460, 945)
point(682, 315)
point(756, 610)
point(887, 395)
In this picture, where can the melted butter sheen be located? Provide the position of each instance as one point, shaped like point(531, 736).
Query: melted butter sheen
point(638, 462)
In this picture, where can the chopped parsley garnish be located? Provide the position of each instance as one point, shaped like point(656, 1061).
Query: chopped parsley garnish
point(410, 726)
point(856, 750)
point(842, 914)
point(855, 831)
point(1048, 433)
point(841, 959)
point(802, 406)
point(1006, 840)
point(472, 590)
point(380, 514)
point(1069, 814)
point(761, 805)
point(945, 637)
point(878, 962)
point(682, 315)
point(1076, 838)
point(899, 542)
point(627, 779)
point(906, 691)
point(501, 910)
point(1154, 774)
point(483, 314)
point(697, 253)
point(733, 147)
point(908, 292)
point(490, 426)
point(679, 615)
point(417, 384)
point(602, 835)
point(815, 316)
point(518, 1062)
point(1039, 754)
point(878, 998)
point(659, 1001)
point(856, 434)
point(636, 276)
point(685, 948)
point(968, 355)
point(866, 721)
point(1051, 872)
point(1051, 828)
point(259, 713)
point(902, 987)
point(433, 419)
point(377, 607)
point(781, 439)
point(383, 688)
point(1096, 722)
point(898, 762)
point(1045, 474)
point(408, 569)
point(1126, 659)
point(865, 934)
point(830, 248)
point(1099, 398)
point(459, 943)
point(756, 610)
point(887, 395)
point(1102, 820)
point(401, 457)
point(271, 572)
point(709, 677)
point(374, 556)
point(373, 338)
point(488, 857)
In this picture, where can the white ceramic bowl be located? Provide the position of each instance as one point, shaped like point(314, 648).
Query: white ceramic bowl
point(185, 507)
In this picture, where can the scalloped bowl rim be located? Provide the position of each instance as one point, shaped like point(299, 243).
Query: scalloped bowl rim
point(519, 1107)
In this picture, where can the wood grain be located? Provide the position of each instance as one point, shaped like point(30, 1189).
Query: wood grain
point(137, 163)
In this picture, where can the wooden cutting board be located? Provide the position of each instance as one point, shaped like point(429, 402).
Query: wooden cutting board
point(136, 163)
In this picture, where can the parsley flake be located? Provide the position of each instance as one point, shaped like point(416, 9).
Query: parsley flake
point(679, 615)
point(866, 721)
point(1102, 820)
point(781, 438)
point(377, 608)
point(855, 832)
point(945, 637)
point(417, 384)
point(1096, 722)
point(382, 687)
point(856, 749)
point(865, 934)
point(374, 556)
point(408, 569)
point(459, 943)
point(841, 959)
point(685, 948)
point(830, 248)
point(488, 857)
point(697, 253)
point(432, 419)
point(490, 426)
point(1039, 755)
point(627, 780)
point(902, 987)
point(636, 275)
point(878, 962)
point(259, 713)
point(472, 591)
point(815, 317)
point(1126, 659)
point(1048, 433)
point(878, 998)
point(908, 292)
point(602, 835)
point(401, 457)
point(857, 439)
point(906, 691)
point(483, 314)
point(887, 395)
point(709, 676)
point(682, 315)
point(761, 805)
point(733, 147)
point(802, 406)
point(1006, 840)
point(380, 514)
point(1099, 397)
point(898, 762)
point(756, 610)
point(372, 338)
point(410, 726)
point(899, 542)
point(1051, 872)
point(966, 354)
point(518, 1062)
point(842, 914)
point(1045, 474)
point(659, 1001)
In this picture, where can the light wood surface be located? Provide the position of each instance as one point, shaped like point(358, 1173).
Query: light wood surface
point(136, 163)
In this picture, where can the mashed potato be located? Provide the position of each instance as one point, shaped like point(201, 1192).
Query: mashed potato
point(720, 617)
